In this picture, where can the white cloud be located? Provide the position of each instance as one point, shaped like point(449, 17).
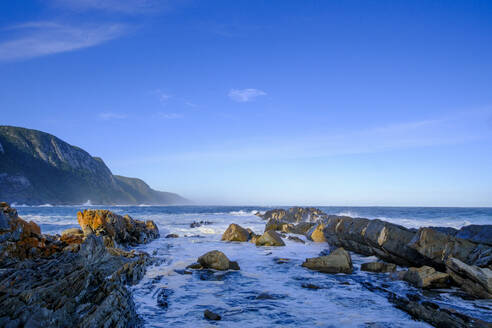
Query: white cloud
point(245, 95)
point(170, 116)
point(34, 39)
point(112, 116)
point(163, 96)
point(120, 6)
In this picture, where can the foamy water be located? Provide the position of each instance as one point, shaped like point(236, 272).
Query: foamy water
point(342, 300)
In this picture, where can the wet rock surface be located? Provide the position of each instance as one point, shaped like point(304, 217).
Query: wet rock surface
point(269, 238)
point(425, 277)
point(123, 230)
point(236, 233)
point(77, 279)
point(216, 260)
point(378, 267)
point(338, 261)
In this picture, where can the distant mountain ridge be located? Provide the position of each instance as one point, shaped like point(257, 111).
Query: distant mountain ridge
point(38, 168)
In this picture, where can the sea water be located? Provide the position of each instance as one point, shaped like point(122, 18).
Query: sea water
point(264, 292)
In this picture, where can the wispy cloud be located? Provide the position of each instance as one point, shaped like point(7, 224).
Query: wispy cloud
point(112, 116)
point(118, 6)
point(162, 96)
point(169, 116)
point(245, 95)
point(34, 39)
point(456, 130)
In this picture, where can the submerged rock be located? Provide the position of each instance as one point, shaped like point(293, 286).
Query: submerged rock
point(172, 235)
point(378, 267)
point(296, 239)
point(197, 224)
point(211, 315)
point(270, 238)
point(425, 277)
point(122, 229)
point(339, 261)
point(236, 233)
point(216, 260)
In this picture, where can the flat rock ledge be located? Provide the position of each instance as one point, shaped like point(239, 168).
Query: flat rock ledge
point(77, 279)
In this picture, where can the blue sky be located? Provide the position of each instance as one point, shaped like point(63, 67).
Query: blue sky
point(263, 102)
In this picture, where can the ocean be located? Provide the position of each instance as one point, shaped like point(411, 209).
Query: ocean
point(264, 292)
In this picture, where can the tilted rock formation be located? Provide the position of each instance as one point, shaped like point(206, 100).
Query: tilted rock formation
point(74, 280)
point(122, 229)
point(83, 289)
point(475, 280)
point(338, 261)
point(437, 247)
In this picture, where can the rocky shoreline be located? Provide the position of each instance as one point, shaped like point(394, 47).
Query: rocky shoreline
point(431, 257)
point(77, 279)
point(80, 278)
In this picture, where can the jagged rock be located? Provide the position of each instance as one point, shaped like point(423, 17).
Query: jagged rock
point(378, 267)
point(436, 247)
point(339, 261)
point(82, 289)
point(474, 280)
point(211, 315)
point(426, 277)
point(317, 234)
point(270, 238)
point(216, 260)
point(20, 240)
point(236, 233)
point(122, 229)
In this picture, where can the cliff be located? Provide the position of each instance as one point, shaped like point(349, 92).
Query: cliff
point(39, 168)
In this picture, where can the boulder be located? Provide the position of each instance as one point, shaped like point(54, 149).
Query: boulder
point(426, 277)
point(236, 233)
point(378, 267)
point(122, 229)
point(269, 238)
point(339, 261)
point(217, 260)
point(474, 280)
point(317, 234)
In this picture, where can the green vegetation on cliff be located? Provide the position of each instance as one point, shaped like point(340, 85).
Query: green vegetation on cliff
point(39, 168)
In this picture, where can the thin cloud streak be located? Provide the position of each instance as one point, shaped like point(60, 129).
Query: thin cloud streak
point(390, 137)
point(112, 116)
point(117, 6)
point(34, 39)
point(245, 95)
